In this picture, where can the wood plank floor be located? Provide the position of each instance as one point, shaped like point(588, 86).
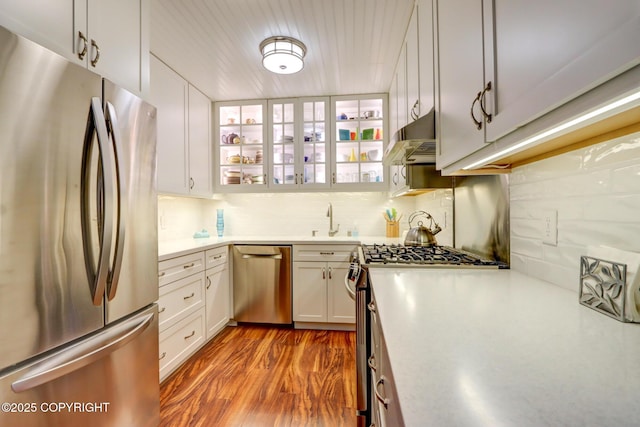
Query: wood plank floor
point(265, 376)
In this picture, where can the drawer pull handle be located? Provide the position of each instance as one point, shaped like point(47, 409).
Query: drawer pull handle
point(372, 362)
point(162, 310)
point(164, 354)
point(327, 253)
point(189, 336)
point(189, 296)
point(384, 400)
point(372, 307)
point(189, 265)
point(162, 273)
point(217, 256)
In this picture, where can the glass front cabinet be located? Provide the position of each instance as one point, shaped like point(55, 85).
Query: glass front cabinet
point(302, 144)
point(359, 140)
point(298, 147)
point(241, 146)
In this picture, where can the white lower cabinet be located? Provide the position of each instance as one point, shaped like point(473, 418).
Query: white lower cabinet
point(179, 341)
point(319, 295)
point(218, 303)
point(385, 409)
point(193, 305)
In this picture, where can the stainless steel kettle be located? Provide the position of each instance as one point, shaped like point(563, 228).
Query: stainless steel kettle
point(421, 235)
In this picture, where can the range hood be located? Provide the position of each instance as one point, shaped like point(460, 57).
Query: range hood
point(413, 144)
point(421, 178)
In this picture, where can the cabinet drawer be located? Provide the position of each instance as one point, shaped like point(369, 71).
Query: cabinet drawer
point(217, 256)
point(180, 297)
point(174, 269)
point(323, 252)
point(179, 341)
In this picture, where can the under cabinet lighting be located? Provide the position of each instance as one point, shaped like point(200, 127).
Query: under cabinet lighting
point(555, 130)
point(283, 55)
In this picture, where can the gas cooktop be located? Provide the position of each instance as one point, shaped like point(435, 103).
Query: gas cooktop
point(428, 256)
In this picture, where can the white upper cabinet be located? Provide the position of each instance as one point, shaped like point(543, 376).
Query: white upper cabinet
point(241, 141)
point(169, 95)
point(298, 141)
point(503, 64)
point(547, 52)
point(413, 69)
point(460, 79)
point(185, 154)
point(200, 147)
point(425, 56)
point(108, 37)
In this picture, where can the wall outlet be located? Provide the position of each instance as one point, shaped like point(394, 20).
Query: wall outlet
point(550, 227)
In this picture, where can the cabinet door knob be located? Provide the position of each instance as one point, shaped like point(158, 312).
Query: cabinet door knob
point(487, 116)
point(96, 58)
point(84, 40)
point(191, 183)
point(208, 282)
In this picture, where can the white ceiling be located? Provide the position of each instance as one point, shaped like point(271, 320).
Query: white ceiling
point(352, 45)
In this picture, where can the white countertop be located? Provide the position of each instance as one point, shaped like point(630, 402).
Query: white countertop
point(172, 248)
point(498, 348)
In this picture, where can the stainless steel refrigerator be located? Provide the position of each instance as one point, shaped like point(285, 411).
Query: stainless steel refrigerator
point(78, 246)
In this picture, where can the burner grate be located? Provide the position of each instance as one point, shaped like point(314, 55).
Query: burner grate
point(422, 255)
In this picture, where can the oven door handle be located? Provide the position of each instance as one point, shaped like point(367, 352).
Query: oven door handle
point(351, 292)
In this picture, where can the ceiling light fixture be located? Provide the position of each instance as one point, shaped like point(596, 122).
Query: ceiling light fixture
point(283, 55)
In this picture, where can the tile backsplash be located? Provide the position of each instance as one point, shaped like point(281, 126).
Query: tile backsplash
point(596, 193)
point(297, 214)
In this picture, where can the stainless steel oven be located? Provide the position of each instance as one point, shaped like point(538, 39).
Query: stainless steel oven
point(358, 286)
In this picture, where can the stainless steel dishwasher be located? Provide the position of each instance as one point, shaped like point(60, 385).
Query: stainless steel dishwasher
point(262, 284)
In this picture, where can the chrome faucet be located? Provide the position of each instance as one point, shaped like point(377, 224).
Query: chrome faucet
point(332, 232)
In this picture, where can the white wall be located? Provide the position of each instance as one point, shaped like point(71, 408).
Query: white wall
point(596, 192)
point(295, 214)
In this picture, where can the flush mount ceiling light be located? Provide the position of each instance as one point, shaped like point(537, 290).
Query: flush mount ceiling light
point(282, 55)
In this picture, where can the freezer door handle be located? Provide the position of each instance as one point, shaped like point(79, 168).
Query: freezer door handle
point(98, 272)
point(114, 130)
point(82, 354)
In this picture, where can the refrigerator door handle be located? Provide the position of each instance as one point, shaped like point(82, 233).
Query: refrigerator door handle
point(98, 273)
point(82, 354)
point(114, 130)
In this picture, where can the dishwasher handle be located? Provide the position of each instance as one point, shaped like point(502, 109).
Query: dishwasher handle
point(262, 256)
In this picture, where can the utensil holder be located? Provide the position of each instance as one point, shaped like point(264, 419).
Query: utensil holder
point(393, 229)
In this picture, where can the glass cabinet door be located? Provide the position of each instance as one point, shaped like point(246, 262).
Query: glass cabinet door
point(359, 141)
point(283, 143)
point(315, 153)
point(241, 145)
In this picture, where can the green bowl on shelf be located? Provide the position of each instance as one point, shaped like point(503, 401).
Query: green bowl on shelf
point(367, 133)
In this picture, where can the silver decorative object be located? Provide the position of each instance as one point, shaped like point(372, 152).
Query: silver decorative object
point(603, 286)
